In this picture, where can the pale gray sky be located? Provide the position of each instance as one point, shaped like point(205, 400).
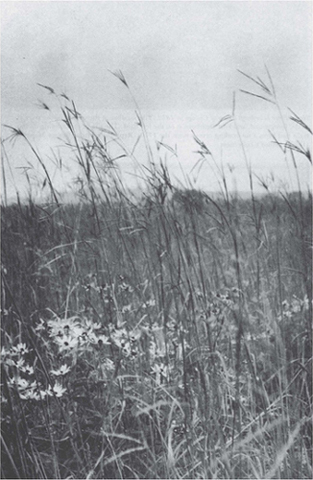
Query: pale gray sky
point(178, 56)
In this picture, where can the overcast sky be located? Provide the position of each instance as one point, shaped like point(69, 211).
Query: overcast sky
point(181, 60)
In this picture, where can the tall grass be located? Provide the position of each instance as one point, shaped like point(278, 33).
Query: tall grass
point(161, 337)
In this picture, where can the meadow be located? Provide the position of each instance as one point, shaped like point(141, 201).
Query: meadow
point(162, 335)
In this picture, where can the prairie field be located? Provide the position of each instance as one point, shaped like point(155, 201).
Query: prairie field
point(165, 334)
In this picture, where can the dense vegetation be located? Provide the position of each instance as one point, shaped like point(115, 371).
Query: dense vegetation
point(161, 337)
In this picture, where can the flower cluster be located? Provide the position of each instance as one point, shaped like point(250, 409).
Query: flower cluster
point(14, 357)
point(125, 341)
point(294, 307)
point(93, 285)
point(20, 375)
point(73, 334)
point(218, 309)
point(28, 390)
point(78, 344)
point(161, 371)
point(148, 303)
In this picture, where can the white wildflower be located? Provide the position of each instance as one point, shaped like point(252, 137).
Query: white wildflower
point(40, 326)
point(63, 370)
point(126, 308)
point(148, 303)
point(58, 390)
point(20, 349)
point(11, 381)
point(22, 383)
point(92, 338)
point(19, 363)
point(42, 394)
point(119, 337)
point(103, 340)
point(4, 353)
point(126, 349)
point(33, 395)
point(27, 369)
point(91, 325)
point(66, 343)
point(135, 335)
point(48, 392)
point(124, 287)
point(66, 326)
point(160, 371)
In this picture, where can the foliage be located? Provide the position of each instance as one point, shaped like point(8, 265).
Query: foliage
point(167, 337)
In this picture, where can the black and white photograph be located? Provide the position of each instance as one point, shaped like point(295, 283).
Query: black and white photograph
point(156, 239)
